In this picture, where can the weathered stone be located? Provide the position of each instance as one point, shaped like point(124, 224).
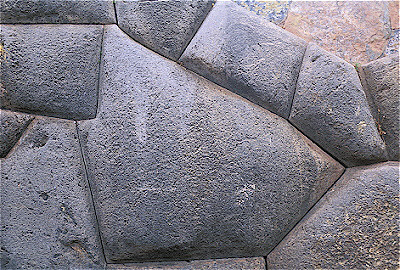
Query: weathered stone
point(57, 11)
point(381, 81)
point(392, 48)
point(394, 14)
point(47, 216)
point(51, 69)
point(12, 125)
point(331, 108)
point(256, 263)
point(354, 226)
point(184, 169)
point(248, 55)
point(163, 26)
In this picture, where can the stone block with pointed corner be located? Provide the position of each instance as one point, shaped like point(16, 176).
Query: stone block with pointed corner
point(163, 26)
point(57, 11)
point(51, 69)
point(183, 169)
point(47, 217)
point(248, 55)
point(354, 226)
point(381, 82)
point(331, 108)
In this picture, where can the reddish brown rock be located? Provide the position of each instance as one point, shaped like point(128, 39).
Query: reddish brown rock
point(394, 14)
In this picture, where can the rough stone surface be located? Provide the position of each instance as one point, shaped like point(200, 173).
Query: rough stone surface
point(394, 14)
point(331, 108)
point(354, 226)
point(57, 78)
point(392, 48)
point(163, 26)
point(47, 219)
point(57, 11)
point(381, 81)
point(248, 55)
point(183, 169)
point(12, 125)
point(256, 263)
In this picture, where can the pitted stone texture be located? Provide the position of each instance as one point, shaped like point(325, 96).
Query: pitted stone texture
point(46, 214)
point(248, 55)
point(183, 169)
point(331, 108)
point(381, 81)
point(354, 226)
point(51, 69)
point(163, 26)
point(12, 126)
point(57, 11)
point(256, 263)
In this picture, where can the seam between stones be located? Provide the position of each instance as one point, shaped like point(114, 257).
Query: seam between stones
point(100, 72)
point(43, 115)
point(115, 11)
point(23, 134)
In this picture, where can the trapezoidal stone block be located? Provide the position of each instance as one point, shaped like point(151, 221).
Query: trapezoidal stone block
point(248, 55)
point(51, 69)
point(331, 108)
point(183, 169)
point(354, 226)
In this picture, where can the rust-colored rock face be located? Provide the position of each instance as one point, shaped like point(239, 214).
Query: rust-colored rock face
point(394, 14)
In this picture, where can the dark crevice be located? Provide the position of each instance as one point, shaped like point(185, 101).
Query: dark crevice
point(115, 11)
point(100, 72)
point(28, 126)
point(49, 115)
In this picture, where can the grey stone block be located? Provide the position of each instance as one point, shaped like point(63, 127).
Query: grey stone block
point(163, 26)
point(12, 126)
point(354, 226)
point(381, 82)
point(57, 11)
point(184, 169)
point(51, 69)
point(331, 108)
point(248, 55)
point(47, 218)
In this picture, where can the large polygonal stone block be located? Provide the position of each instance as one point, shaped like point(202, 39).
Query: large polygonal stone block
point(331, 108)
point(163, 26)
point(184, 169)
point(354, 226)
point(51, 69)
point(47, 217)
point(248, 55)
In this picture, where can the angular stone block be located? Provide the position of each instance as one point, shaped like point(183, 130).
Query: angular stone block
point(381, 82)
point(354, 226)
point(12, 126)
point(331, 108)
point(163, 26)
point(57, 11)
point(51, 69)
point(47, 215)
point(184, 169)
point(248, 55)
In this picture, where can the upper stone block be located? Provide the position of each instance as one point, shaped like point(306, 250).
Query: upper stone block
point(248, 55)
point(331, 108)
point(163, 26)
point(51, 69)
point(57, 11)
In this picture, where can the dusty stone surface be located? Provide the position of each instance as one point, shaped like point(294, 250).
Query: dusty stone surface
point(57, 11)
point(57, 78)
point(394, 14)
point(12, 125)
point(248, 55)
point(331, 108)
point(163, 26)
point(354, 226)
point(184, 169)
point(256, 263)
point(46, 212)
point(381, 81)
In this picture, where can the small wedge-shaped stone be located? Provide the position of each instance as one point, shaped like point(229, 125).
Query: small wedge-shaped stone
point(354, 226)
point(331, 108)
point(248, 55)
point(184, 169)
point(47, 217)
point(381, 81)
point(57, 11)
point(12, 125)
point(163, 26)
point(51, 69)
